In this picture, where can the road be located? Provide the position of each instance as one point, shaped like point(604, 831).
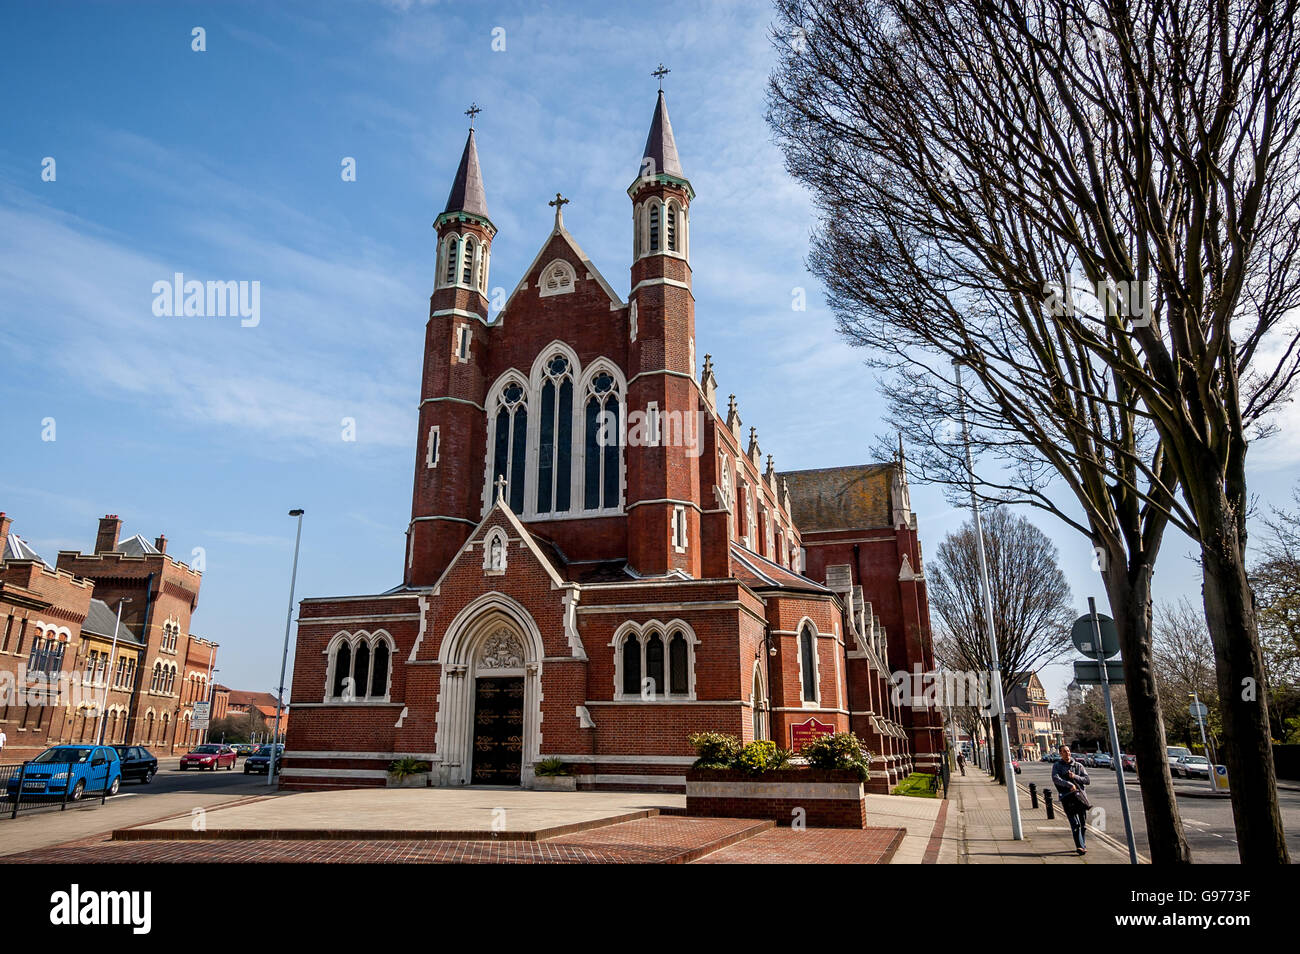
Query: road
point(172, 792)
point(1207, 822)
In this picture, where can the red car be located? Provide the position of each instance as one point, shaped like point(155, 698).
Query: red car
point(209, 757)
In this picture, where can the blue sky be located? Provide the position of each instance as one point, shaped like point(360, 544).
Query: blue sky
point(225, 165)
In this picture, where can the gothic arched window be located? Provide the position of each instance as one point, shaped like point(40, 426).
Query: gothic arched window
point(670, 224)
point(453, 247)
point(510, 442)
point(679, 683)
point(342, 670)
point(654, 662)
point(808, 663)
point(654, 227)
point(379, 684)
point(555, 437)
point(632, 667)
point(467, 262)
point(361, 671)
point(602, 441)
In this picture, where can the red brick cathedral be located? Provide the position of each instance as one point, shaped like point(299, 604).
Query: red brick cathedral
point(600, 561)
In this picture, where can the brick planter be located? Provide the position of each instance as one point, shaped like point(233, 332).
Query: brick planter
point(828, 798)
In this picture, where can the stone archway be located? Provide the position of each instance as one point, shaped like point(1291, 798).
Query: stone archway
point(491, 662)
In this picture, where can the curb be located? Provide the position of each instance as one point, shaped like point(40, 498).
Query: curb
point(137, 833)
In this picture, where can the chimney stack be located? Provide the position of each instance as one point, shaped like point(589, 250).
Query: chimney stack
point(5, 523)
point(161, 543)
point(110, 527)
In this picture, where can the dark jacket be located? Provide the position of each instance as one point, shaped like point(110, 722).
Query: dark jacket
point(1066, 775)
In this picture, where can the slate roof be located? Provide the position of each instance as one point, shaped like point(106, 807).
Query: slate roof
point(136, 546)
point(16, 548)
point(102, 619)
point(467, 193)
point(758, 571)
point(660, 144)
point(841, 498)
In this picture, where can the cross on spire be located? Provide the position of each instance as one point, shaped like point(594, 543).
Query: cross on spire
point(661, 73)
point(472, 112)
point(559, 202)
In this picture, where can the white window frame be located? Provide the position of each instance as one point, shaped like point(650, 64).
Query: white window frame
point(433, 452)
point(816, 657)
point(464, 342)
point(566, 284)
point(641, 632)
point(678, 529)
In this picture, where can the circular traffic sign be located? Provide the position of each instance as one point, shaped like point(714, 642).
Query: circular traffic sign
point(1084, 635)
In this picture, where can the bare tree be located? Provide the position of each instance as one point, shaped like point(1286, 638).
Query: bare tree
point(1032, 609)
point(1092, 207)
point(1184, 658)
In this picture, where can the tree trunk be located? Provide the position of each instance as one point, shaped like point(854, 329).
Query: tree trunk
point(1243, 701)
point(1129, 593)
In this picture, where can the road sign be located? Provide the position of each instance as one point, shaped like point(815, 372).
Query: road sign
point(199, 717)
point(1221, 777)
point(1088, 673)
point(1199, 710)
point(1085, 636)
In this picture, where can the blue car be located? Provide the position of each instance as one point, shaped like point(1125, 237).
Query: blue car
point(73, 770)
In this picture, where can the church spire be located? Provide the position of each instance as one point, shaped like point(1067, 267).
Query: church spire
point(467, 189)
point(660, 154)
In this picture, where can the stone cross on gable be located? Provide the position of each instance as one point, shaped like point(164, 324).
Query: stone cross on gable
point(559, 203)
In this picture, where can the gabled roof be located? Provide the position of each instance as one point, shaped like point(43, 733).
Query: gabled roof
point(137, 546)
point(16, 548)
point(660, 146)
point(101, 620)
point(239, 697)
point(841, 498)
point(467, 193)
point(615, 302)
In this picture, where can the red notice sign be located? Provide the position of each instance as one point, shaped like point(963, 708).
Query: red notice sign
point(806, 732)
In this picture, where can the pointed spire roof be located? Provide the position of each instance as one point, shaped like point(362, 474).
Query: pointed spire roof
point(467, 190)
point(660, 147)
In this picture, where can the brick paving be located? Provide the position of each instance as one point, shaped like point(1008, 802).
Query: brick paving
point(812, 846)
point(661, 839)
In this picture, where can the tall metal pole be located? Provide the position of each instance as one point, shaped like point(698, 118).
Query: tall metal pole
point(284, 658)
point(108, 674)
point(1114, 733)
point(1200, 722)
point(995, 665)
point(212, 657)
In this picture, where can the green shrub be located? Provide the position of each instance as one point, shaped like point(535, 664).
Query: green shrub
point(551, 767)
point(843, 750)
point(762, 756)
point(400, 768)
point(716, 750)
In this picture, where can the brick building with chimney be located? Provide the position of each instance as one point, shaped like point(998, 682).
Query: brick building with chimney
point(600, 560)
point(57, 655)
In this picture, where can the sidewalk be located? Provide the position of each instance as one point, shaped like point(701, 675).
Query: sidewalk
point(981, 820)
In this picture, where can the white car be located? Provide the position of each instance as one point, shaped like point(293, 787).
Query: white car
point(1191, 766)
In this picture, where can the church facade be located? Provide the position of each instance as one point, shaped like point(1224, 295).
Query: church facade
point(600, 561)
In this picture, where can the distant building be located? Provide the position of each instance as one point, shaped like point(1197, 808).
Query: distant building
point(62, 680)
point(1036, 729)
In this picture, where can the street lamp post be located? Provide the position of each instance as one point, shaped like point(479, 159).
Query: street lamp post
point(284, 658)
point(995, 666)
point(108, 674)
point(212, 657)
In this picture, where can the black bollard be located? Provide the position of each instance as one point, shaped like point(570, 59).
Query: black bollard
point(1033, 795)
point(1047, 802)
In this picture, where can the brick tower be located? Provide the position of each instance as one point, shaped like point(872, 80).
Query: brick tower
point(446, 502)
point(663, 487)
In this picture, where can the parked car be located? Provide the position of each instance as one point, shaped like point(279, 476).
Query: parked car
point(1176, 752)
point(1052, 757)
point(1129, 762)
point(1103, 760)
point(259, 763)
point(137, 763)
point(210, 756)
point(73, 770)
point(243, 748)
point(1191, 766)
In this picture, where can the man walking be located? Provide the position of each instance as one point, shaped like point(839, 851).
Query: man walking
point(1070, 777)
point(961, 762)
